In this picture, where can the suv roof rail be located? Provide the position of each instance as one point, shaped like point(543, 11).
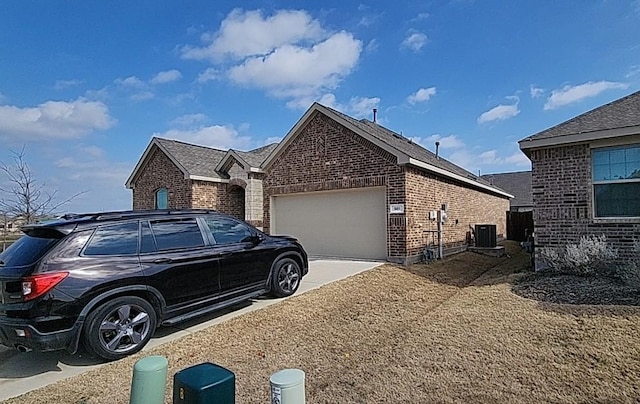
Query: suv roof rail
point(130, 214)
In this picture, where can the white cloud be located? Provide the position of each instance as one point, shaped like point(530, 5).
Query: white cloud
point(208, 75)
point(420, 17)
point(489, 157)
point(249, 33)
point(536, 92)
point(98, 179)
point(137, 89)
point(272, 139)
point(216, 136)
point(446, 142)
point(370, 19)
point(142, 96)
point(415, 41)
point(189, 120)
point(54, 120)
point(64, 84)
point(166, 77)
point(91, 151)
point(485, 161)
point(570, 94)
point(287, 54)
point(518, 158)
point(130, 82)
point(475, 158)
point(372, 46)
point(361, 107)
point(423, 94)
point(292, 71)
point(633, 70)
point(499, 113)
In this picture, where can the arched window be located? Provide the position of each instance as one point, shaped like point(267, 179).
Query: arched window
point(162, 198)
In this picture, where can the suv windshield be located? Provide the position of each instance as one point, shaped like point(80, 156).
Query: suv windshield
point(29, 248)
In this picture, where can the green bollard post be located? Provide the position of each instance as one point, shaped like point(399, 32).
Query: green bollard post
point(149, 380)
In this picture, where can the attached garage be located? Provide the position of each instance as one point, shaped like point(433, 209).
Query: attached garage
point(346, 223)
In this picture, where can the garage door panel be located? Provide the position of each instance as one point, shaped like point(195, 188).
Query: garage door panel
point(350, 224)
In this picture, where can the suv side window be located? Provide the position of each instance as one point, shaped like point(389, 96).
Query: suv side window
point(177, 233)
point(119, 239)
point(228, 231)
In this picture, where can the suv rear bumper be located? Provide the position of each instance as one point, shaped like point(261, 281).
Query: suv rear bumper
point(33, 339)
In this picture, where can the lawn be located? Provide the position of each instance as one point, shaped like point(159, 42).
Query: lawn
point(470, 328)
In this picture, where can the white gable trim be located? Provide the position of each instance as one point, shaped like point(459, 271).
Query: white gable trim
point(531, 143)
point(457, 177)
point(208, 179)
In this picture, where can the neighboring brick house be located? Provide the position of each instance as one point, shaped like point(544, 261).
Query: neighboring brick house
point(517, 184)
point(586, 177)
point(520, 214)
point(173, 174)
point(345, 188)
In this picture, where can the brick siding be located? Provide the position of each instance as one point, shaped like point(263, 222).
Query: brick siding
point(563, 201)
point(466, 207)
point(160, 172)
point(327, 156)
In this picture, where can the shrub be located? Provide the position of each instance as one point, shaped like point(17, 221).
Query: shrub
point(591, 256)
point(629, 272)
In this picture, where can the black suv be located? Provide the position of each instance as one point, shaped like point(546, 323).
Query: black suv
point(109, 279)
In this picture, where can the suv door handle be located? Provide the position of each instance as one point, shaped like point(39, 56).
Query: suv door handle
point(162, 261)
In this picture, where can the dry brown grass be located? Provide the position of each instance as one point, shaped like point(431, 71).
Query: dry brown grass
point(453, 331)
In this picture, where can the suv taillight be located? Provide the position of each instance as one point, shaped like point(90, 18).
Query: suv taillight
point(38, 285)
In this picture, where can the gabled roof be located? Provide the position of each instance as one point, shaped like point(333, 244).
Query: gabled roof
point(251, 160)
point(517, 183)
point(406, 151)
point(617, 118)
point(197, 162)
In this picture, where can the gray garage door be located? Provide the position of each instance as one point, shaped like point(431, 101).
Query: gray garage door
point(348, 224)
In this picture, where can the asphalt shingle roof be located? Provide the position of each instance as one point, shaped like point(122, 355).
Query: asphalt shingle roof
point(517, 184)
point(257, 156)
point(197, 160)
point(408, 147)
point(621, 113)
point(202, 161)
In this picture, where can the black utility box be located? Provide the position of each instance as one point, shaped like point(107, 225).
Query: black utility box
point(204, 383)
point(486, 235)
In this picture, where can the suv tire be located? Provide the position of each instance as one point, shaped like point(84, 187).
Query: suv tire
point(286, 277)
point(120, 327)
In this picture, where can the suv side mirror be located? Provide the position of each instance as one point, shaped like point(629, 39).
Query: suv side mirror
point(254, 239)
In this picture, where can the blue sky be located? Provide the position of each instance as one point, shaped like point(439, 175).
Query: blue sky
point(84, 85)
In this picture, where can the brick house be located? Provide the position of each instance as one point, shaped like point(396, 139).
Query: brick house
point(586, 177)
point(173, 174)
point(344, 187)
point(520, 214)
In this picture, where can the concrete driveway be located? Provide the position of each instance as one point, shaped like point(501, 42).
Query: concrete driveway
point(23, 372)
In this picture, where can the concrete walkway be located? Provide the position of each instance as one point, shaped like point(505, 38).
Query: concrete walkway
point(23, 372)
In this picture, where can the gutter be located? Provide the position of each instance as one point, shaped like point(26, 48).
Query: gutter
point(454, 176)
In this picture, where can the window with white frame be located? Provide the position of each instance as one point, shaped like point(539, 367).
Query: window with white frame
point(162, 198)
point(616, 181)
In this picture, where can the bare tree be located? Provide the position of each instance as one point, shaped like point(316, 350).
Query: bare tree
point(23, 197)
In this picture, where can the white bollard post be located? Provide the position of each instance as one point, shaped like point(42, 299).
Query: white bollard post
point(287, 387)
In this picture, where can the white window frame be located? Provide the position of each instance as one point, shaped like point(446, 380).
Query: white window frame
point(594, 182)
